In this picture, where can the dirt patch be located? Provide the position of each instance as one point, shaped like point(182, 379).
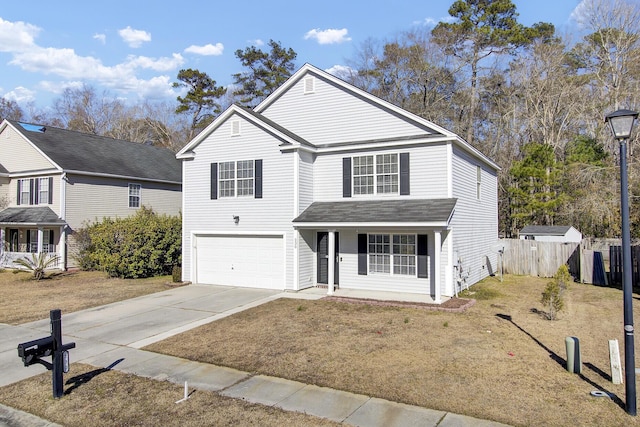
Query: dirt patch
point(451, 305)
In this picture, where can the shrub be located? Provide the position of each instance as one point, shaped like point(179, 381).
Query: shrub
point(176, 274)
point(552, 297)
point(37, 264)
point(143, 245)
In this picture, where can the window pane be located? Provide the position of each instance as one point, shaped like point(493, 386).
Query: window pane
point(245, 173)
point(363, 175)
point(134, 195)
point(387, 173)
point(226, 179)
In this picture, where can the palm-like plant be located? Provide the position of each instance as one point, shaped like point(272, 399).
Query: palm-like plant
point(37, 264)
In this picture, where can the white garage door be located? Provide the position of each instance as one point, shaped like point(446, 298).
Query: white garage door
point(238, 260)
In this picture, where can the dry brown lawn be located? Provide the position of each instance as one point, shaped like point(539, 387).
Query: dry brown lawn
point(24, 300)
point(499, 360)
point(98, 397)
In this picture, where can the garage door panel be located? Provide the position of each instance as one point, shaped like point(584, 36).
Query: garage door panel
point(251, 261)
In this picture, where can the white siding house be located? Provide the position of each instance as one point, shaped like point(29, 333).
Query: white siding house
point(551, 233)
point(325, 184)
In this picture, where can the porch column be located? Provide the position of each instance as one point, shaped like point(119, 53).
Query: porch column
point(2, 240)
point(62, 247)
point(332, 259)
point(40, 239)
point(437, 250)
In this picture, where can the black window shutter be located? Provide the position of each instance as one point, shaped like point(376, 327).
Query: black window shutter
point(362, 254)
point(214, 181)
point(346, 177)
point(19, 192)
point(51, 190)
point(36, 191)
point(258, 178)
point(32, 192)
point(422, 256)
point(404, 174)
point(50, 240)
point(28, 240)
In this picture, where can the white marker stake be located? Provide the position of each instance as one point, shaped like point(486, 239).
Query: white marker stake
point(616, 367)
point(186, 393)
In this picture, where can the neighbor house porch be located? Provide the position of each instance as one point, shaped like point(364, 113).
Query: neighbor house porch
point(27, 231)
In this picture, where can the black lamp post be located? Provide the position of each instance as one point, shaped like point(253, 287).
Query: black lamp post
point(621, 123)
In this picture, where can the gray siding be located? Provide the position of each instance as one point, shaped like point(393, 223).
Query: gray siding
point(305, 180)
point(91, 198)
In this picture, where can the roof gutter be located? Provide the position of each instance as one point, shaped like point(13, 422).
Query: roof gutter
point(108, 175)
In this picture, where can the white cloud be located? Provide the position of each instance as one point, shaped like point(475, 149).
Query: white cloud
point(102, 38)
point(17, 36)
point(330, 36)
point(206, 50)
point(256, 42)
point(580, 12)
point(21, 95)
point(161, 64)
point(341, 71)
point(134, 38)
point(432, 22)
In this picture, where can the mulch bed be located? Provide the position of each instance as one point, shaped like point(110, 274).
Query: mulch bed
point(455, 305)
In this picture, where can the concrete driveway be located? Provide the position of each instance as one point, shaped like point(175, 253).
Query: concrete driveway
point(132, 323)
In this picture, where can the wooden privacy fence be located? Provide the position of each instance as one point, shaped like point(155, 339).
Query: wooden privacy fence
point(536, 258)
point(615, 260)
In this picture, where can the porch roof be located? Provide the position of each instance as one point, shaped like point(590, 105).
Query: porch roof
point(406, 212)
point(42, 215)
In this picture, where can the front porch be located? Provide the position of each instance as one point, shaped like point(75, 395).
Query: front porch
point(28, 231)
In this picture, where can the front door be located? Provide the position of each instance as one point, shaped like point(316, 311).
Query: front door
point(14, 245)
point(323, 257)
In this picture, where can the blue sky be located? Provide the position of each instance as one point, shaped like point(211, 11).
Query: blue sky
point(134, 49)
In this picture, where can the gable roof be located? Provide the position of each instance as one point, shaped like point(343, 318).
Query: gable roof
point(256, 113)
point(79, 152)
point(546, 230)
point(285, 135)
point(435, 212)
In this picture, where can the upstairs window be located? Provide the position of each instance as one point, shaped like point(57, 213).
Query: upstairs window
point(134, 195)
point(43, 190)
point(24, 192)
point(376, 174)
point(242, 178)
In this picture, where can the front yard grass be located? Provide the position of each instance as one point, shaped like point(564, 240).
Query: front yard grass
point(499, 360)
point(24, 300)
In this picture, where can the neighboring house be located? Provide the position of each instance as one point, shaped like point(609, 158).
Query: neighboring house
point(323, 183)
point(551, 233)
point(54, 181)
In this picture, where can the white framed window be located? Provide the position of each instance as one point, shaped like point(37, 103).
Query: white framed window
point(377, 174)
point(33, 241)
point(25, 191)
point(236, 178)
point(134, 195)
point(363, 175)
point(393, 254)
point(43, 191)
point(227, 179)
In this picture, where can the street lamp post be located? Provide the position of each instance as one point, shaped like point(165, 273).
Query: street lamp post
point(621, 123)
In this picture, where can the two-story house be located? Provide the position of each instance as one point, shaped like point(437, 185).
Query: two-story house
point(325, 184)
point(54, 181)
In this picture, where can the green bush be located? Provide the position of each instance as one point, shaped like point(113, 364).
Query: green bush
point(552, 297)
point(176, 274)
point(143, 245)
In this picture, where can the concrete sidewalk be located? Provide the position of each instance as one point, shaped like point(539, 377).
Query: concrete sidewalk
point(112, 335)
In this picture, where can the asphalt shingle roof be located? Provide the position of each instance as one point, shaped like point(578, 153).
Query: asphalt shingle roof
point(369, 211)
point(548, 230)
point(30, 215)
point(76, 151)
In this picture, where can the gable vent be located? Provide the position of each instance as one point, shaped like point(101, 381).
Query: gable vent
point(235, 127)
point(309, 84)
